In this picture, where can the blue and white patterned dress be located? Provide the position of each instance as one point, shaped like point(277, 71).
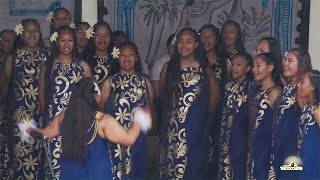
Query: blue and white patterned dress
point(184, 146)
point(63, 78)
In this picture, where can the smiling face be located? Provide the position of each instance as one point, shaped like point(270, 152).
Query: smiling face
point(305, 88)
point(186, 44)
point(80, 35)
point(239, 68)
point(65, 42)
point(290, 65)
point(261, 70)
point(262, 47)
point(7, 41)
point(31, 35)
point(208, 39)
point(127, 60)
point(229, 35)
point(102, 38)
point(61, 17)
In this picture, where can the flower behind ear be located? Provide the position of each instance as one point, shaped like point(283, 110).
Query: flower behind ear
point(89, 33)
point(19, 29)
point(54, 37)
point(50, 16)
point(115, 53)
point(72, 25)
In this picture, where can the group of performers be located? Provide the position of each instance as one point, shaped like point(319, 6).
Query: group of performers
point(222, 113)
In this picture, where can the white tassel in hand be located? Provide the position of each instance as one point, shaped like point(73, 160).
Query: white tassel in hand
point(23, 127)
point(142, 115)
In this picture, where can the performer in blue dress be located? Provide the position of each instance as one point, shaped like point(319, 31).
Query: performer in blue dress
point(121, 93)
point(63, 69)
point(8, 37)
point(210, 37)
point(98, 52)
point(267, 75)
point(309, 131)
point(20, 84)
point(285, 128)
point(84, 128)
point(190, 90)
point(233, 135)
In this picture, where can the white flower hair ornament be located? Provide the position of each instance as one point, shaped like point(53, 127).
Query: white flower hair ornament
point(89, 33)
point(115, 52)
point(23, 127)
point(50, 16)
point(54, 37)
point(96, 88)
point(72, 25)
point(174, 39)
point(19, 29)
point(142, 115)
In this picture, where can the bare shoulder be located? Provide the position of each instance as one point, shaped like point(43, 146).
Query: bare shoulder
point(273, 94)
point(226, 87)
point(316, 114)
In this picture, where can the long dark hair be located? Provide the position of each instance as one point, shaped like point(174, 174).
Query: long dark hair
point(52, 29)
point(18, 43)
point(216, 33)
point(132, 45)
point(269, 59)
point(314, 77)
point(239, 41)
point(304, 61)
point(91, 48)
point(173, 73)
point(274, 49)
point(78, 117)
point(53, 57)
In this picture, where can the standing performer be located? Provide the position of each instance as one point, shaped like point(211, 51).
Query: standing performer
point(309, 131)
point(266, 72)
point(233, 137)
point(20, 84)
point(58, 77)
point(121, 93)
point(98, 52)
point(191, 92)
point(285, 129)
point(84, 128)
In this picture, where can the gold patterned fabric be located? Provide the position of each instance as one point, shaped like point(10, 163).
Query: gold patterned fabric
point(235, 98)
point(63, 78)
point(102, 68)
point(24, 160)
point(184, 146)
point(127, 92)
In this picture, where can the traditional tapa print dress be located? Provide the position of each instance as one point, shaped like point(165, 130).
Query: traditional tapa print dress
point(127, 92)
point(261, 121)
point(233, 132)
point(63, 77)
point(184, 145)
point(285, 132)
point(309, 144)
point(101, 68)
point(24, 160)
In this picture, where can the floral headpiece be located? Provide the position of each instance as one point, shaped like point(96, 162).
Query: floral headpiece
point(72, 25)
point(89, 33)
point(54, 37)
point(18, 29)
point(50, 16)
point(115, 53)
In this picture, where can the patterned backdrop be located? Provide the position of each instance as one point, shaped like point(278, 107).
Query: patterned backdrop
point(150, 22)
